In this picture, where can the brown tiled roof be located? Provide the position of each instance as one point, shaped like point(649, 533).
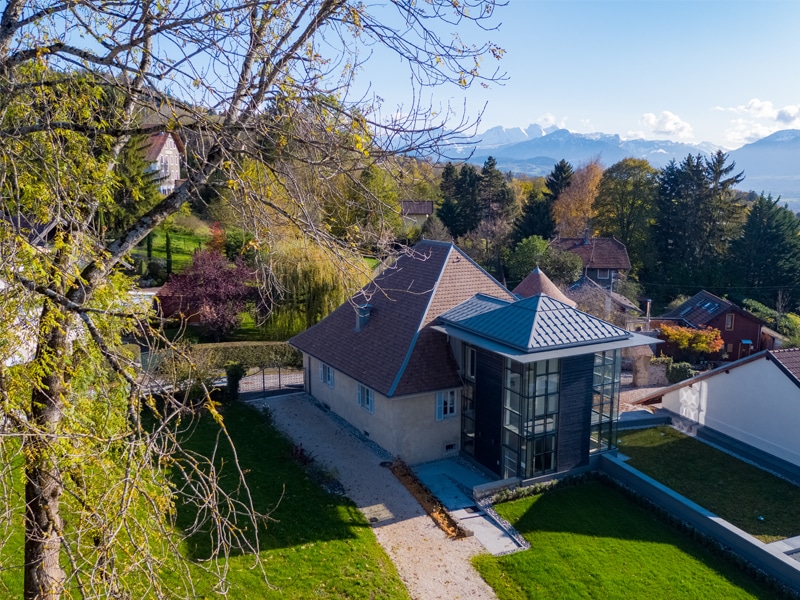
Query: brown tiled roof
point(396, 353)
point(155, 144)
point(596, 253)
point(789, 359)
point(699, 309)
point(416, 207)
point(537, 282)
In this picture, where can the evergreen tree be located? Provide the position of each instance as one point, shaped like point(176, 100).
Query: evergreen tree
point(697, 219)
point(536, 217)
point(468, 207)
point(448, 210)
point(136, 186)
point(767, 256)
point(495, 196)
point(168, 251)
point(559, 179)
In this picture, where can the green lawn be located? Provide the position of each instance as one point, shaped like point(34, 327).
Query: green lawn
point(590, 541)
point(184, 245)
point(736, 491)
point(317, 545)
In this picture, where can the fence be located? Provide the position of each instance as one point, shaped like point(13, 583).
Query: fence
point(271, 380)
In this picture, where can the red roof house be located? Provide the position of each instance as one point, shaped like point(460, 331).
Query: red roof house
point(604, 259)
point(742, 332)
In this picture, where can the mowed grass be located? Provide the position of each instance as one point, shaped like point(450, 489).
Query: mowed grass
point(590, 541)
point(316, 544)
point(184, 245)
point(763, 505)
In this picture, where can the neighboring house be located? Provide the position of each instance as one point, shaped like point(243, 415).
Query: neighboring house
point(743, 333)
point(604, 259)
point(435, 357)
point(755, 400)
point(39, 235)
point(163, 153)
point(416, 212)
point(537, 282)
point(593, 298)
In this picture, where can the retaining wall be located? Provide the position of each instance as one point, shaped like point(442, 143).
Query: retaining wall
point(772, 561)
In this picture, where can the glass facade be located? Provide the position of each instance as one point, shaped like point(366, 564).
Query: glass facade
point(531, 395)
point(468, 402)
point(605, 400)
point(530, 418)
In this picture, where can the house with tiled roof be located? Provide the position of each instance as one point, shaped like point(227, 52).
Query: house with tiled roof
point(436, 358)
point(754, 401)
point(163, 153)
point(742, 332)
point(604, 259)
point(416, 212)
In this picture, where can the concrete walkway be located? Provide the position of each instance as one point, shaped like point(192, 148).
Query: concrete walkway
point(451, 481)
point(432, 566)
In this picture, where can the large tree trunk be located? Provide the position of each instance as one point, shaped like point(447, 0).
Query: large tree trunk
point(44, 577)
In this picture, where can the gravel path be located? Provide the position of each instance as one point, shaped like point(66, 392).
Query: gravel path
point(432, 566)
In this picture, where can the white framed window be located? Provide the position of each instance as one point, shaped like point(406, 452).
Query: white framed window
point(729, 321)
point(366, 399)
point(446, 404)
point(603, 274)
point(326, 374)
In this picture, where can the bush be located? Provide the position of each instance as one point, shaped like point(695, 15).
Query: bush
point(234, 372)
point(680, 371)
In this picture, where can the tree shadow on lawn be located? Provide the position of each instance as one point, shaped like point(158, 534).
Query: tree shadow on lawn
point(299, 510)
point(758, 502)
point(593, 532)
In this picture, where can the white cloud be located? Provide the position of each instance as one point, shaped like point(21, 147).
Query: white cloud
point(759, 119)
point(549, 119)
point(744, 131)
point(766, 110)
point(667, 124)
point(789, 115)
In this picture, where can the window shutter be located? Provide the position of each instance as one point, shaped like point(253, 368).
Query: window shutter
point(322, 371)
point(439, 406)
point(360, 400)
point(330, 370)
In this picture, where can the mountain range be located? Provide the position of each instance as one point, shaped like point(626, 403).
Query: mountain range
point(771, 164)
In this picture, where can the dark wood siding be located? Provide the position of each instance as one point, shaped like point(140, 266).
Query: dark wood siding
point(574, 412)
point(488, 409)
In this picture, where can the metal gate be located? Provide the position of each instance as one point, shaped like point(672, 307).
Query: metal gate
point(271, 380)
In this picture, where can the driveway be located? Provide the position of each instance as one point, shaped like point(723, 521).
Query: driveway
point(432, 566)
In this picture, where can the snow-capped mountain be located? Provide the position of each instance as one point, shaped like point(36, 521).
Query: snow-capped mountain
point(771, 165)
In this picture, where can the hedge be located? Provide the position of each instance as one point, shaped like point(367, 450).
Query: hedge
point(249, 354)
point(214, 357)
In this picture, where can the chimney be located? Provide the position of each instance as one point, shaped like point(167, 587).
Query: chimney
point(362, 315)
point(586, 236)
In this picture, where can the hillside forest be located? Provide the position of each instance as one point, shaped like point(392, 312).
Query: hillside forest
point(687, 227)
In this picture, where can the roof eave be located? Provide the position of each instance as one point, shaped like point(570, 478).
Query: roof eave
point(560, 351)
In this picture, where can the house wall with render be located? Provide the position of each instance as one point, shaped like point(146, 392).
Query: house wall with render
point(405, 426)
point(755, 403)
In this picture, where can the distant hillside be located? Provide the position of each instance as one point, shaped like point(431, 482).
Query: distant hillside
point(771, 165)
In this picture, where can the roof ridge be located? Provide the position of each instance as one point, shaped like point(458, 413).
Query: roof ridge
point(412, 345)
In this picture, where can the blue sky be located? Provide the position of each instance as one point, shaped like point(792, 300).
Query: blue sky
point(717, 71)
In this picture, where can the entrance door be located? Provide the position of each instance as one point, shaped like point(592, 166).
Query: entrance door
point(488, 410)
